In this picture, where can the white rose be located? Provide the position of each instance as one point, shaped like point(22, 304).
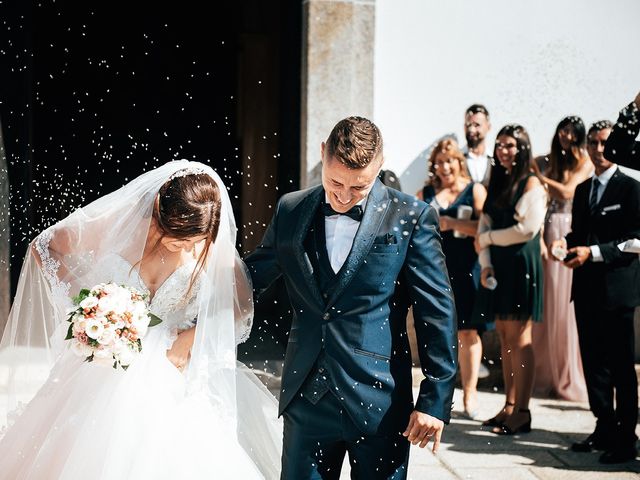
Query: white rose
point(88, 350)
point(103, 356)
point(141, 324)
point(89, 302)
point(142, 318)
point(141, 331)
point(107, 337)
point(80, 326)
point(139, 308)
point(109, 288)
point(125, 356)
point(124, 344)
point(94, 328)
point(107, 304)
point(122, 301)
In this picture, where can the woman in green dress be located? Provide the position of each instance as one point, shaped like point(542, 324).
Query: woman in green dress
point(508, 243)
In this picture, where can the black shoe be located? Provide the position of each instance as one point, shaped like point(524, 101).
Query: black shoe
point(495, 421)
point(619, 455)
point(592, 442)
point(525, 427)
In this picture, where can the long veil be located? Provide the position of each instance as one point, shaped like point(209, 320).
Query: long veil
point(58, 264)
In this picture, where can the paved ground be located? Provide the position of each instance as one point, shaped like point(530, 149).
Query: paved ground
point(469, 452)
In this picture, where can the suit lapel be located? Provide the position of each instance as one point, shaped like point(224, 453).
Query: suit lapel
point(305, 219)
point(375, 211)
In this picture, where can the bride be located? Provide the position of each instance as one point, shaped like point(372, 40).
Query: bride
point(184, 408)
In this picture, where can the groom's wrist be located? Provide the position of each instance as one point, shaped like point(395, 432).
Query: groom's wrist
point(424, 405)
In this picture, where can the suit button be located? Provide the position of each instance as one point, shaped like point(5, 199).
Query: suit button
point(325, 295)
point(326, 316)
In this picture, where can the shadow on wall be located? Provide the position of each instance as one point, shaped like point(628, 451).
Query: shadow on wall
point(414, 176)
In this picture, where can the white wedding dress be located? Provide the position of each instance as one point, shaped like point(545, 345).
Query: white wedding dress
point(90, 421)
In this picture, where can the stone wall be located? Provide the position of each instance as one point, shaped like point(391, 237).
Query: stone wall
point(337, 72)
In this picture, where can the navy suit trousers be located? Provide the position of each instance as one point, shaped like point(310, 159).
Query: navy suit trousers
point(317, 437)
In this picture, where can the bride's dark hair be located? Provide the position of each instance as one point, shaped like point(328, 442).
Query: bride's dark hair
point(188, 206)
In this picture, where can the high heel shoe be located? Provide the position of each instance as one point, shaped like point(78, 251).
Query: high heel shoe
point(523, 428)
point(494, 422)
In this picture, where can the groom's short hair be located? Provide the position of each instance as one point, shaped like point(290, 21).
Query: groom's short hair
point(355, 142)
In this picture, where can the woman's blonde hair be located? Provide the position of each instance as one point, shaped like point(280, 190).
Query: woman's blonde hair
point(449, 147)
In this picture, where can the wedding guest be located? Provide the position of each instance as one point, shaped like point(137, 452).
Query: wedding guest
point(606, 290)
point(478, 160)
point(555, 341)
point(450, 190)
point(622, 146)
point(476, 127)
point(509, 252)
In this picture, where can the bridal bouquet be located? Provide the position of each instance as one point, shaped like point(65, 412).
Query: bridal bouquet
point(108, 323)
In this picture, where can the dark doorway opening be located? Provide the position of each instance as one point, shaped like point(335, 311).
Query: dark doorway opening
point(93, 94)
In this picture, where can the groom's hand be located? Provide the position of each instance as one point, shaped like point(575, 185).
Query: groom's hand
point(422, 428)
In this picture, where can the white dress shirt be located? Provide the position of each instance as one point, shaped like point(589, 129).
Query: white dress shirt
point(603, 178)
point(340, 230)
point(477, 165)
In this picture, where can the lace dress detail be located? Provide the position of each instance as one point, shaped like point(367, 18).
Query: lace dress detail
point(243, 331)
point(171, 301)
point(50, 265)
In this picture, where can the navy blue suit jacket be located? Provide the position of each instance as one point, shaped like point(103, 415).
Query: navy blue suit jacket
point(614, 282)
point(396, 261)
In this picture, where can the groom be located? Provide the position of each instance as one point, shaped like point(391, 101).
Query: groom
point(354, 256)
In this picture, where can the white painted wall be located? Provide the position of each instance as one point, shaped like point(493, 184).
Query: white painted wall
point(531, 62)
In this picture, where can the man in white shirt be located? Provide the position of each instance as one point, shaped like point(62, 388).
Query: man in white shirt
point(478, 160)
point(476, 127)
point(605, 292)
point(355, 255)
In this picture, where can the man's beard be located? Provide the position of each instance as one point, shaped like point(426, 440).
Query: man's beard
point(473, 142)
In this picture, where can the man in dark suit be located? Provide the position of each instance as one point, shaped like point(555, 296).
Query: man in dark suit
point(622, 147)
point(355, 255)
point(605, 291)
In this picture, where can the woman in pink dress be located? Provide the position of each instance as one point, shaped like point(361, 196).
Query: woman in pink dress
point(555, 340)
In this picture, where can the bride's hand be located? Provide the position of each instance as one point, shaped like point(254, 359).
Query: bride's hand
point(180, 351)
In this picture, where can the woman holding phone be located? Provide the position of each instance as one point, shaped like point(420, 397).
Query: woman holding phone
point(508, 242)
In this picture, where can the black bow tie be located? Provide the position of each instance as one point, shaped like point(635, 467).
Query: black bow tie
point(354, 212)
